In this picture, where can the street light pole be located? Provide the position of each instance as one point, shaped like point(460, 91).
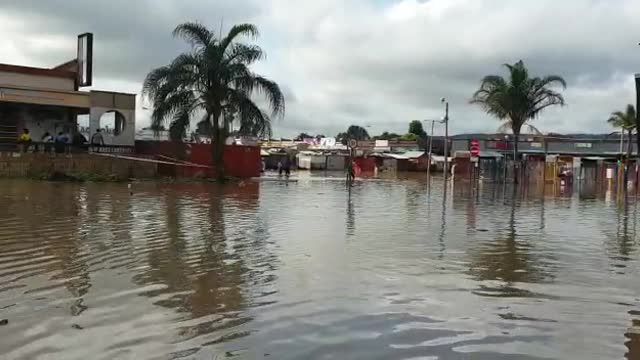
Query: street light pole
point(430, 151)
point(446, 137)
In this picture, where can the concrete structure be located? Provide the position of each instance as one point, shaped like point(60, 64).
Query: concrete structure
point(606, 146)
point(48, 100)
point(336, 162)
point(311, 160)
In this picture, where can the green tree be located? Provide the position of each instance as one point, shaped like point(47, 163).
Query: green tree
point(519, 98)
point(415, 127)
point(410, 137)
point(387, 136)
point(214, 83)
point(353, 132)
point(302, 136)
point(357, 132)
point(626, 122)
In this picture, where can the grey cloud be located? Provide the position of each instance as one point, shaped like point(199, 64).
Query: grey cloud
point(371, 63)
point(131, 37)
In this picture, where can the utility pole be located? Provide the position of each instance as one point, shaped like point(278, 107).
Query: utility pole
point(430, 151)
point(637, 128)
point(446, 137)
point(430, 147)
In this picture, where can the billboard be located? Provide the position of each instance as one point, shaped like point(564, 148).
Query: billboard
point(85, 60)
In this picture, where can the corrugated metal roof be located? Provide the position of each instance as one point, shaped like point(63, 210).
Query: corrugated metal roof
point(407, 155)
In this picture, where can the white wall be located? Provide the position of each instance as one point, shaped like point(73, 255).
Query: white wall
point(304, 161)
point(128, 135)
point(36, 81)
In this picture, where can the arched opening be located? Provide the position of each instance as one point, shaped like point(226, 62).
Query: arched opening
point(112, 123)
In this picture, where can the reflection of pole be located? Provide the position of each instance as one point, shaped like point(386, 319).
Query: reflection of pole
point(443, 224)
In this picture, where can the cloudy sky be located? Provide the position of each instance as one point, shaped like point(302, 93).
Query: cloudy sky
point(374, 63)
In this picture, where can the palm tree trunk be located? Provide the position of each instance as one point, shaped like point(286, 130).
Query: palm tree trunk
point(627, 163)
point(217, 146)
point(629, 145)
point(516, 138)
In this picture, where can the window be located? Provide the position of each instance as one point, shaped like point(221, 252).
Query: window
point(112, 123)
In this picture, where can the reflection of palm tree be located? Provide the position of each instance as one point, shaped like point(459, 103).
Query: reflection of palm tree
point(506, 258)
point(203, 267)
point(633, 337)
point(624, 237)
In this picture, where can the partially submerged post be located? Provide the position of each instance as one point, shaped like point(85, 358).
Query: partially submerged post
point(637, 128)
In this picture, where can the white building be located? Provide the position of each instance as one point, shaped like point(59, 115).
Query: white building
point(49, 100)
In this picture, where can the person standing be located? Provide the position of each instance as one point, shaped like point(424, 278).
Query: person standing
point(97, 139)
point(24, 140)
point(47, 139)
point(60, 143)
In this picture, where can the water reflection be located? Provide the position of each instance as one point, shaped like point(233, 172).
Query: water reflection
point(509, 258)
point(261, 270)
point(350, 218)
point(632, 337)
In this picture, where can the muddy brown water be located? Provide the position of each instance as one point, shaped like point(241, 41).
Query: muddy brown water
point(309, 270)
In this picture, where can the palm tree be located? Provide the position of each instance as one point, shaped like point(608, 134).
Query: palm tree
point(518, 99)
point(626, 122)
point(214, 84)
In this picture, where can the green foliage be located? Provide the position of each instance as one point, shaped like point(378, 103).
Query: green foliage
point(353, 132)
point(519, 98)
point(303, 136)
point(213, 82)
point(410, 137)
point(387, 136)
point(415, 127)
point(624, 120)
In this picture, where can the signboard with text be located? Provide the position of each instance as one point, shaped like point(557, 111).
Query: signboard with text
point(475, 148)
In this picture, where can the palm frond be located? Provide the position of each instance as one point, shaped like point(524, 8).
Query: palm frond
point(245, 54)
point(625, 120)
point(253, 121)
point(194, 33)
point(179, 125)
point(249, 30)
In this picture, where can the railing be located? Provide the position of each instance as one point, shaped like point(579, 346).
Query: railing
point(112, 149)
point(48, 147)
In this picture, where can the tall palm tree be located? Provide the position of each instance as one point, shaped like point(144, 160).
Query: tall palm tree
point(626, 122)
point(213, 83)
point(519, 98)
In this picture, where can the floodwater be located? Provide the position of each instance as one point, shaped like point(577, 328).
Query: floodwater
point(309, 270)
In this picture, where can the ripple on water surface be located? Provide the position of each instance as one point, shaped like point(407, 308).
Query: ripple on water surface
point(310, 269)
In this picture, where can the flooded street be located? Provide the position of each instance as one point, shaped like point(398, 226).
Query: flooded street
point(309, 270)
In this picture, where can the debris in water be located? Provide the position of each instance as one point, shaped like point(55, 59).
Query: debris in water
point(4, 322)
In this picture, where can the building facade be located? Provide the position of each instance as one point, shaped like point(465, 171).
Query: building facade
point(48, 100)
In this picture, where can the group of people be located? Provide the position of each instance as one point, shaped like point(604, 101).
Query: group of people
point(60, 142)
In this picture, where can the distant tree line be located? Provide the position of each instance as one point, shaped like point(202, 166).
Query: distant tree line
point(415, 133)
